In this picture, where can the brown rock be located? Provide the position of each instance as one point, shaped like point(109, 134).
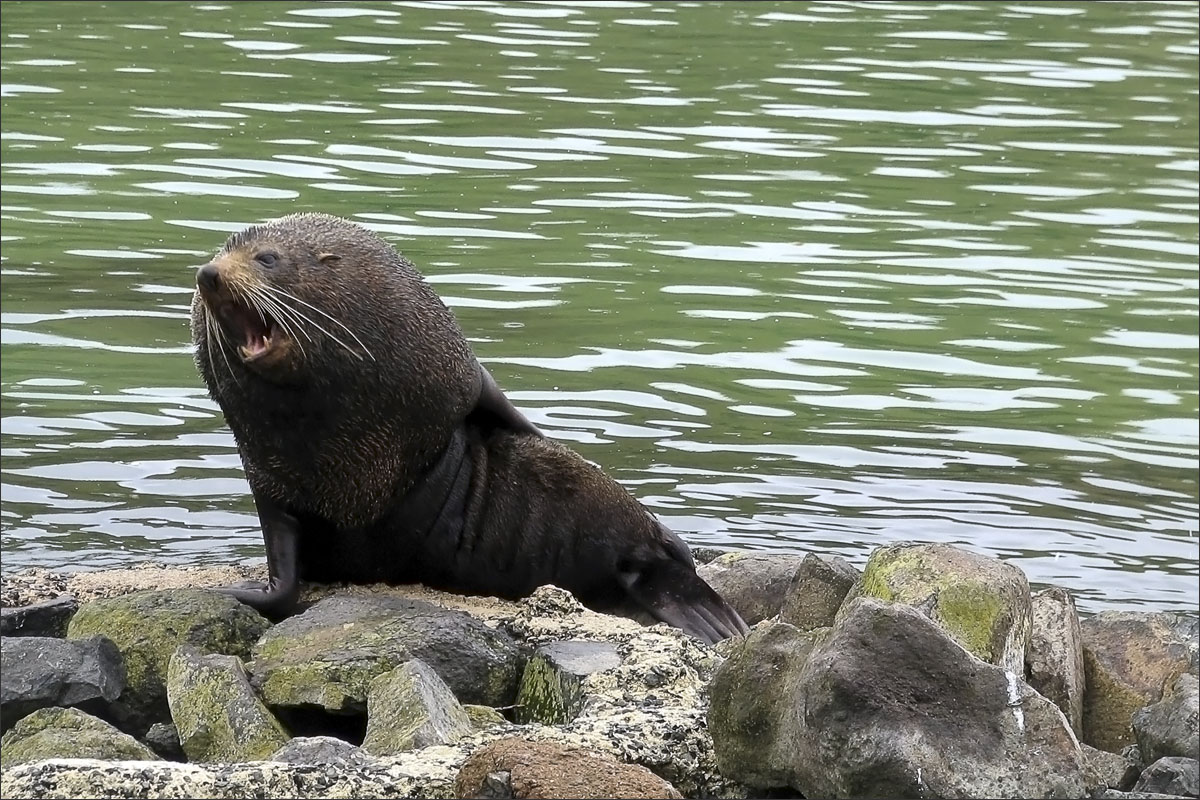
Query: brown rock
point(522, 769)
point(1129, 658)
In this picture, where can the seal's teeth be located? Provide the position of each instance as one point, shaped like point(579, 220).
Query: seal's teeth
point(245, 351)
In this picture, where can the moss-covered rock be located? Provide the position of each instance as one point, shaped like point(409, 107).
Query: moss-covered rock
point(216, 713)
point(483, 717)
point(982, 602)
point(412, 707)
point(1129, 658)
point(328, 656)
point(68, 733)
point(551, 690)
point(148, 626)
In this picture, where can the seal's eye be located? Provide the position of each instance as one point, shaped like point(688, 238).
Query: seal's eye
point(268, 260)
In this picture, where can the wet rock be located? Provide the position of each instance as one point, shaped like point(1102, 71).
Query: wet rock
point(982, 602)
point(327, 656)
point(42, 672)
point(890, 706)
point(752, 706)
point(412, 707)
point(523, 769)
point(551, 690)
point(1171, 775)
point(47, 618)
point(817, 591)
point(1107, 770)
point(67, 733)
point(1171, 727)
point(148, 626)
point(755, 584)
point(322, 750)
point(163, 739)
point(1054, 660)
point(217, 715)
point(1129, 657)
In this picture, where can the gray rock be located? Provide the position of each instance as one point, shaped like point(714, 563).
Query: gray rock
point(551, 690)
point(163, 739)
point(1054, 660)
point(890, 706)
point(755, 584)
point(703, 555)
point(1113, 794)
point(412, 707)
point(1107, 770)
point(1129, 657)
point(327, 656)
point(322, 750)
point(982, 602)
point(217, 715)
point(41, 672)
point(1171, 727)
point(47, 618)
point(148, 626)
point(817, 591)
point(67, 733)
point(1171, 775)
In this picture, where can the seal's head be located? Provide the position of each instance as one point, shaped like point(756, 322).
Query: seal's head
point(263, 300)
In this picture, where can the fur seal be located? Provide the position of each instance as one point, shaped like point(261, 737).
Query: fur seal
point(378, 449)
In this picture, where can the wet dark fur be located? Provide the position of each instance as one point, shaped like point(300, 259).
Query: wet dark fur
point(393, 469)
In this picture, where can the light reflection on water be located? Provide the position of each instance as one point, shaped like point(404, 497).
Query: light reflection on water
point(803, 278)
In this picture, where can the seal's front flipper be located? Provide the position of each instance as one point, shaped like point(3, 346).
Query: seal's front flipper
point(281, 534)
point(494, 410)
point(673, 593)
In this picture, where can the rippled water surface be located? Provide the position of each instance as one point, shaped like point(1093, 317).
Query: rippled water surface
point(802, 276)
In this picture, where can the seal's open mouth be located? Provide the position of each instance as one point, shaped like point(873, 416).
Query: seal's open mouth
point(257, 331)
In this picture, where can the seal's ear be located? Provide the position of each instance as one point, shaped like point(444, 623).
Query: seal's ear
point(329, 259)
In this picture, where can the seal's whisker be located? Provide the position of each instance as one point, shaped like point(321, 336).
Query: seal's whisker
point(216, 339)
point(279, 292)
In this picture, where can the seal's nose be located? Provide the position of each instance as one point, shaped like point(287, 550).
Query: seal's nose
point(208, 277)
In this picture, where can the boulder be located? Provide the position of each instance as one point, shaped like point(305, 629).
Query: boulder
point(817, 591)
point(551, 690)
point(163, 738)
point(1054, 660)
point(43, 672)
point(322, 750)
point(755, 584)
point(1170, 727)
point(1129, 658)
point(411, 707)
point(327, 656)
point(47, 618)
point(889, 705)
point(517, 768)
point(1107, 770)
point(982, 602)
point(1171, 775)
point(148, 626)
point(751, 711)
point(67, 733)
point(216, 713)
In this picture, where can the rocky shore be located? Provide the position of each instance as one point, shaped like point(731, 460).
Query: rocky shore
point(933, 672)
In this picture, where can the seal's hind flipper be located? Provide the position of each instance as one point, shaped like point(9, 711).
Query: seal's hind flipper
point(494, 410)
point(673, 593)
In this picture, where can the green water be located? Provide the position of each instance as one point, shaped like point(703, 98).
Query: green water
point(802, 276)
